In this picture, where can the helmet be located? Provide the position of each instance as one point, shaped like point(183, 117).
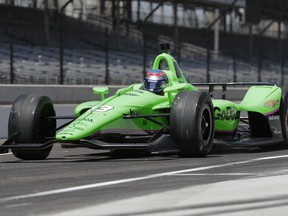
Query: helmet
point(155, 81)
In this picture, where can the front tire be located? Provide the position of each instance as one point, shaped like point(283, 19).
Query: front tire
point(192, 123)
point(29, 114)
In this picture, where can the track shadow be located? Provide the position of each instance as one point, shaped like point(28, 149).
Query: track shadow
point(119, 156)
point(136, 155)
point(247, 150)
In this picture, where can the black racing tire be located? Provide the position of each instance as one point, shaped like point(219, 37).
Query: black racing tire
point(29, 115)
point(192, 123)
point(284, 117)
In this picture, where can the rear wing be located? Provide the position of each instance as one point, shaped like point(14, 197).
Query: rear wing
point(224, 86)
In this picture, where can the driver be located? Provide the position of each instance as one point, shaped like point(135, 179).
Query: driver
point(155, 81)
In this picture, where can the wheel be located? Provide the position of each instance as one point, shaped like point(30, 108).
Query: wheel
point(192, 123)
point(284, 116)
point(29, 115)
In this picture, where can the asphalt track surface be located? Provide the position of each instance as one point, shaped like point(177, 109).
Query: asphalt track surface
point(72, 182)
point(85, 182)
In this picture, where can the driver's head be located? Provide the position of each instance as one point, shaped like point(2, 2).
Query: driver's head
point(155, 81)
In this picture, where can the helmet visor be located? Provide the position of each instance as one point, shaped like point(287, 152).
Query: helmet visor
point(154, 85)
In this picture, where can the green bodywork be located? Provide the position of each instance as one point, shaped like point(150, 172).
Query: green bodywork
point(106, 116)
point(261, 99)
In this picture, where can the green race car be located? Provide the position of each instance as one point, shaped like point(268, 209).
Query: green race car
point(170, 116)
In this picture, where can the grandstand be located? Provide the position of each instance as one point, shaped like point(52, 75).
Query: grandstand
point(115, 42)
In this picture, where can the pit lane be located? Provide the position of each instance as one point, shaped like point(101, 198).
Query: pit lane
point(73, 181)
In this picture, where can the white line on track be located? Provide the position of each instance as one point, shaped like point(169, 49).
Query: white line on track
point(213, 174)
point(9, 153)
point(122, 181)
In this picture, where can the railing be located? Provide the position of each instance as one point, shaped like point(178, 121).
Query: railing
point(102, 63)
point(40, 65)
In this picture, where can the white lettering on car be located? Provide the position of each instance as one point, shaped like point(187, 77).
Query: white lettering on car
point(102, 108)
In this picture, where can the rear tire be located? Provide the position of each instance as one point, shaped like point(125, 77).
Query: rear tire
point(284, 116)
point(29, 114)
point(192, 123)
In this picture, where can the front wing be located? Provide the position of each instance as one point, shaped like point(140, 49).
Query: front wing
point(163, 144)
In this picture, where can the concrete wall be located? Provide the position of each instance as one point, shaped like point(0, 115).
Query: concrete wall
point(59, 94)
point(73, 94)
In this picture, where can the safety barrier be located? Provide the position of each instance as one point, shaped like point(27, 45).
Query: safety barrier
point(74, 94)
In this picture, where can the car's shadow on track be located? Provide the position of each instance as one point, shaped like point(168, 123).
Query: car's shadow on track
point(138, 156)
point(245, 150)
point(121, 156)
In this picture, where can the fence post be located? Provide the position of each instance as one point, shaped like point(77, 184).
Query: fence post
point(234, 69)
point(62, 40)
point(144, 53)
point(208, 65)
point(176, 29)
point(107, 78)
point(282, 71)
point(11, 59)
point(259, 68)
point(11, 34)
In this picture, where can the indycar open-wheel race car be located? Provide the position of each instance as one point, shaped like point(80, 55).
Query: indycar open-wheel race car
point(183, 120)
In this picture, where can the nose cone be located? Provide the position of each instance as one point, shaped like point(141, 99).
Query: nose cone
point(63, 136)
point(78, 129)
point(70, 133)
